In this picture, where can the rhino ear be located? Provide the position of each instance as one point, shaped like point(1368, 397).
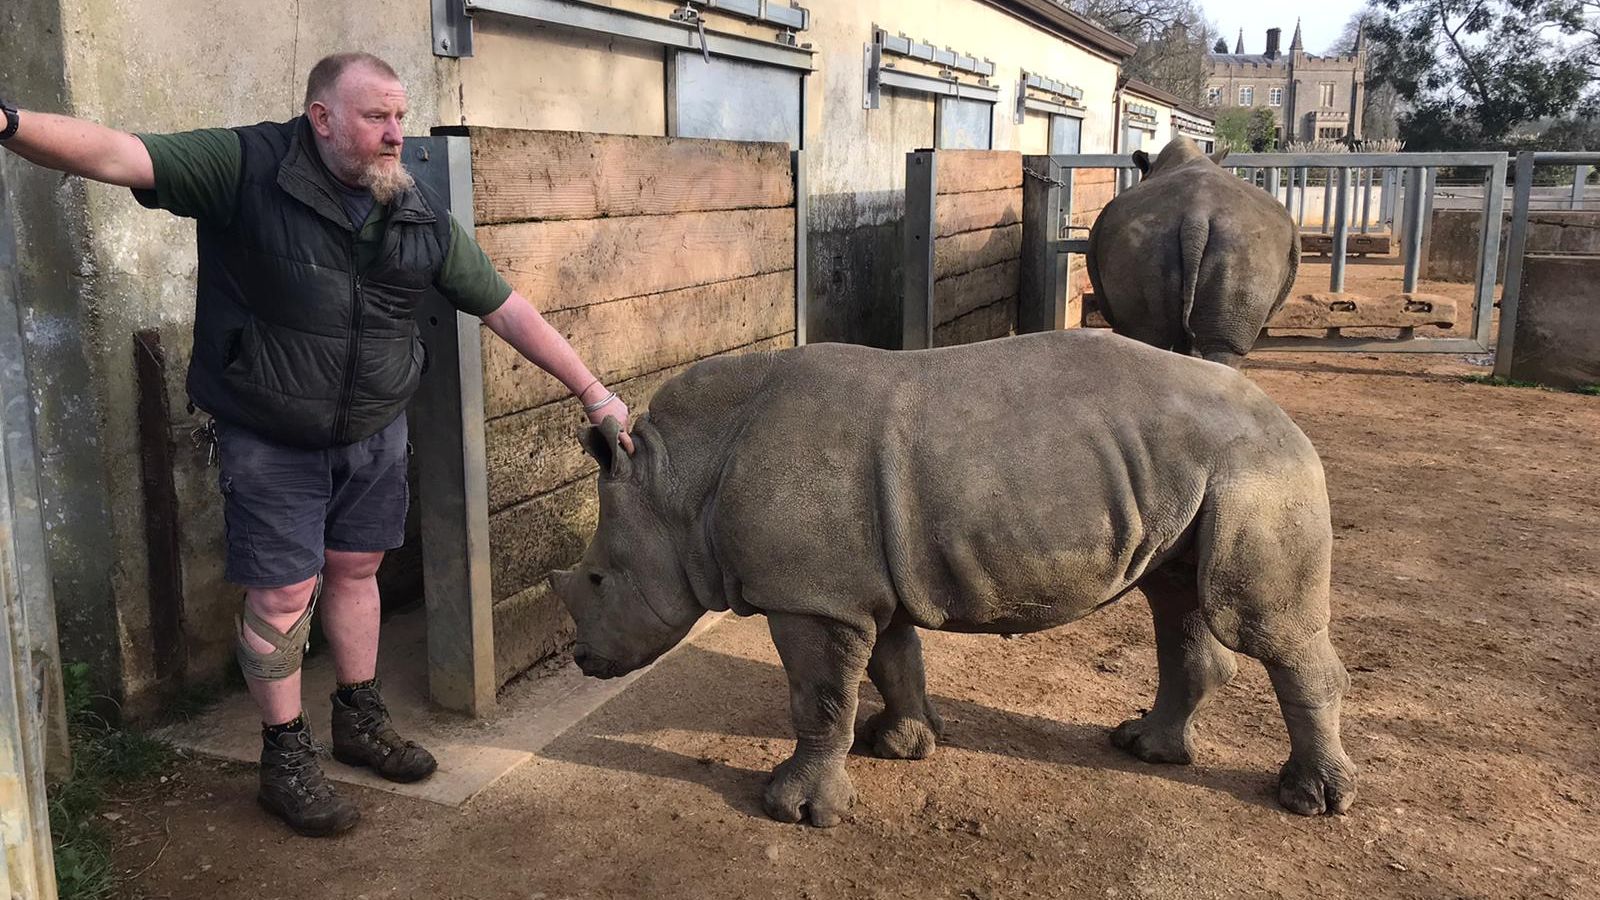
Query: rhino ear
point(1219, 156)
point(604, 444)
point(1142, 160)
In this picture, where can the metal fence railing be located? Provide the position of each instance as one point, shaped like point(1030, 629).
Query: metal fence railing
point(1358, 191)
point(1510, 298)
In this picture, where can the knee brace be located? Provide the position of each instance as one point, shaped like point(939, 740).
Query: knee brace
point(289, 648)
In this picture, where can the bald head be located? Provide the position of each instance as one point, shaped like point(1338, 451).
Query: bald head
point(328, 71)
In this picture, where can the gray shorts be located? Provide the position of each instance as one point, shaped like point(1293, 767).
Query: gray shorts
point(282, 506)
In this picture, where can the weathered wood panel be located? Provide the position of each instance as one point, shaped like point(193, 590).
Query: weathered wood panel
point(956, 296)
point(965, 171)
point(528, 627)
point(550, 530)
point(525, 175)
point(993, 321)
point(536, 451)
point(562, 265)
point(959, 213)
point(962, 253)
point(629, 337)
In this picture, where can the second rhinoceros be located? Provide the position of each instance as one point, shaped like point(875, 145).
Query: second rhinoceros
point(854, 496)
point(1192, 259)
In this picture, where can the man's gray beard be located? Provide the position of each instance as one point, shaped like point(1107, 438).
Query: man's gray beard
point(386, 182)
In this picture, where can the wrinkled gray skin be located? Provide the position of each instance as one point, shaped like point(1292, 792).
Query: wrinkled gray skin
point(854, 495)
point(1192, 259)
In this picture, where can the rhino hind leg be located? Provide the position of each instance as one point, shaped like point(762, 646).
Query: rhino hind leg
point(907, 727)
point(824, 661)
point(1191, 662)
point(1265, 593)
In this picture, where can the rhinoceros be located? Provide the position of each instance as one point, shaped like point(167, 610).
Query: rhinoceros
point(854, 495)
point(1192, 259)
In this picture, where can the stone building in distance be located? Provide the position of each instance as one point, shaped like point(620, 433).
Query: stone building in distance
point(1312, 97)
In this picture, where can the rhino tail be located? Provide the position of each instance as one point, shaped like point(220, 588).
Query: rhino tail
point(1192, 239)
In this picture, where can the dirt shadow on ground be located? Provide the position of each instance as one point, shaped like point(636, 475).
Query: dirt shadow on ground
point(748, 698)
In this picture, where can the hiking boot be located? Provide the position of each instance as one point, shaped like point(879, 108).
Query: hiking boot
point(294, 789)
point(362, 736)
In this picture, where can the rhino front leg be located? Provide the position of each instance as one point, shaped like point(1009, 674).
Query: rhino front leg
point(1191, 663)
point(824, 660)
point(908, 727)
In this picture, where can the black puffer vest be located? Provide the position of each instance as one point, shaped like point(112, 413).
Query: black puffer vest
point(291, 339)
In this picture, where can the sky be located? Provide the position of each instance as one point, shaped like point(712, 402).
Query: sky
point(1320, 24)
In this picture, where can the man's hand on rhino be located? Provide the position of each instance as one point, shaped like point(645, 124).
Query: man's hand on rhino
point(614, 409)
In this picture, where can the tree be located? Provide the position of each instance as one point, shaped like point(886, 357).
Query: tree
point(1171, 37)
point(1380, 112)
point(1245, 130)
point(1221, 46)
point(1470, 71)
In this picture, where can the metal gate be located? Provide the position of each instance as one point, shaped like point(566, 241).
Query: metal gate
point(1348, 181)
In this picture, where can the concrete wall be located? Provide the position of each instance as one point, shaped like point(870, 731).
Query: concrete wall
point(1557, 339)
point(1453, 250)
point(96, 268)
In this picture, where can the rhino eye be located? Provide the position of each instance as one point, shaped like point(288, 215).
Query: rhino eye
point(595, 578)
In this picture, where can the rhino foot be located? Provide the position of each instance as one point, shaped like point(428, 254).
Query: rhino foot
point(902, 737)
point(1154, 741)
point(1314, 787)
point(818, 791)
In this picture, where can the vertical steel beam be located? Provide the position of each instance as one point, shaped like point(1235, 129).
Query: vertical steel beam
point(1366, 198)
point(1580, 181)
point(1416, 179)
point(452, 464)
point(1042, 291)
point(1505, 344)
point(1341, 232)
point(802, 261)
point(916, 302)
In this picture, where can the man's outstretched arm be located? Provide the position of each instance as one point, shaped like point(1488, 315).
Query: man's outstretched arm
point(82, 148)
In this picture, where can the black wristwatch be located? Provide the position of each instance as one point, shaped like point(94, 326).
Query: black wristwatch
point(11, 120)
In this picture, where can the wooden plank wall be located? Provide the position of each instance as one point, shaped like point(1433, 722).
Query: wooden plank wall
point(648, 254)
point(1092, 189)
point(977, 242)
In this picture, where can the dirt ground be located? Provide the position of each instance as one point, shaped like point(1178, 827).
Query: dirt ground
point(1466, 604)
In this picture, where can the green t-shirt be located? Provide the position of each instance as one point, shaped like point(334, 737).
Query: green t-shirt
point(197, 176)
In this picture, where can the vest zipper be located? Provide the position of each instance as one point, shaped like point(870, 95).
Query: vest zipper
point(347, 392)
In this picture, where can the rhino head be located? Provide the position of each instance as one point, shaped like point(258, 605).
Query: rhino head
point(629, 595)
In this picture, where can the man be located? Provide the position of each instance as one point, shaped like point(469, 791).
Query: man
point(315, 248)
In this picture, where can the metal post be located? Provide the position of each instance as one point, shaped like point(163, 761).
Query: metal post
point(1272, 181)
point(1327, 199)
point(1341, 232)
point(1415, 196)
point(1305, 180)
point(452, 463)
point(1366, 199)
point(1288, 191)
point(1385, 194)
point(1580, 181)
point(1042, 288)
point(802, 264)
point(1505, 345)
point(1489, 250)
point(916, 302)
